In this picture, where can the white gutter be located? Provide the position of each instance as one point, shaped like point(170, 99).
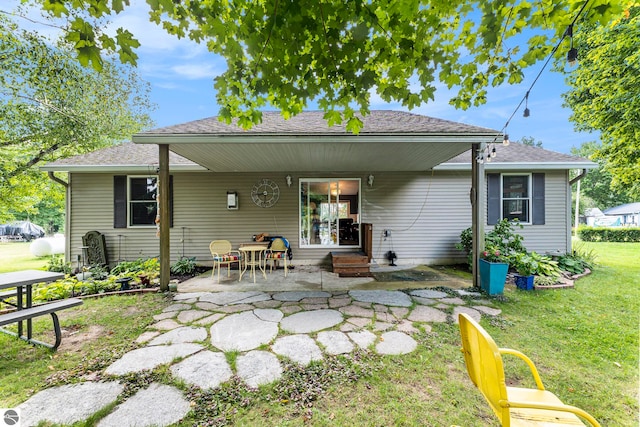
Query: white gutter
point(120, 168)
point(497, 166)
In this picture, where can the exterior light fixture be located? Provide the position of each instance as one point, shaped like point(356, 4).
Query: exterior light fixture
point(526, 105)
point(493, 152)
point(506, 141)
point(289, 180)
point(370, 180)
point(572, 55)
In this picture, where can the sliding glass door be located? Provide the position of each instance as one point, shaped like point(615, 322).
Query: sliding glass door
point(329, 212)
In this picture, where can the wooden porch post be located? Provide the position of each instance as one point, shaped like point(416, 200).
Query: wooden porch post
point(477, 210)
point(163, 189)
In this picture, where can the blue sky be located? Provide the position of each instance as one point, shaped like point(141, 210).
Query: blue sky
point(181, 75)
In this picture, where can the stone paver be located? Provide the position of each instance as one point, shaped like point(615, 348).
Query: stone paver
point(181, 335)
point(311, 321)
point(159, 405)
point(258, 367)
point(427, 314)
point(300, 348)
point(150, 357)
point(335, 342)
point(205, 369)
point(391, 298)
point(395, 342)
point(363, 338)
point(242, 332)
point(68, 404)
point(244, 321)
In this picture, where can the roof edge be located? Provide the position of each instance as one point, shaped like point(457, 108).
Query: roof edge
point(518, 165)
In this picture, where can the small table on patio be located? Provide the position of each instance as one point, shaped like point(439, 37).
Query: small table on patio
point(23, 282)
point(252, 255)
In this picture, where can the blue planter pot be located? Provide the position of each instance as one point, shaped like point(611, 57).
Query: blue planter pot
point(493, 276)
point(524, 282)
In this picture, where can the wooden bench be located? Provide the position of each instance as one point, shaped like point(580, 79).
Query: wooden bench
point(514, 406)
point(36, 311)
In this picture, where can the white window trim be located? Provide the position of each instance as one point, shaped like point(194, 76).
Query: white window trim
point(303, 245)
point(529, 197)
point(129, 201)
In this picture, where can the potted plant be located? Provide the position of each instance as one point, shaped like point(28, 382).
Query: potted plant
point(526, 265)
point(493, 268)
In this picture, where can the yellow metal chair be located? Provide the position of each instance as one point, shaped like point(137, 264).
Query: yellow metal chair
point(513, 406)
point(223, 255)
point(277, 251)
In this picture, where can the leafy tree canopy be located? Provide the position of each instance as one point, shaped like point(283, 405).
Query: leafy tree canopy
point(529, 140)
point(338, 53)
point(52, 107)
point(596, 185)
point(605, 95)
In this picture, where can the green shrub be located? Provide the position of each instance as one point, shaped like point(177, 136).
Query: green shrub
point(184, 266)
point(502, 238)
point(573, 264)
point(530, 263)
point(57, 264)
point(613, 234)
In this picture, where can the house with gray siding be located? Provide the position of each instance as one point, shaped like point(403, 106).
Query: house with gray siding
point(409, 176)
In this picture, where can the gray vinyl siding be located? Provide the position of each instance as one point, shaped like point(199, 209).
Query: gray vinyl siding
point(425, 213)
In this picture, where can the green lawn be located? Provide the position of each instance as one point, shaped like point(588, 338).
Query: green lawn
point(16, 256)
point(584, 342)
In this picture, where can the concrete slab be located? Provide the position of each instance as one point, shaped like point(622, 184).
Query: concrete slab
point(335, 342)
point(390, 298)
point(206, 369)
point(300, 348)
point(395, 342)
point(242, 332)
point(150, 357)
point(159, 405)
point(257, 368)
point(68, 404)
point(311, 321)
point(181, 335)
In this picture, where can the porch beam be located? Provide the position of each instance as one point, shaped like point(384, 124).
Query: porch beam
point(163, 190)
point(477, 212)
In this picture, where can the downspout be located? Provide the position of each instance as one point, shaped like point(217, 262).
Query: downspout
point(52, 176)
point(579, 177)
point(577, 212)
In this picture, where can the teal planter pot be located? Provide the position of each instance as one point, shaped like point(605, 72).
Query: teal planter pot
point(492, 276)
point(524, 282)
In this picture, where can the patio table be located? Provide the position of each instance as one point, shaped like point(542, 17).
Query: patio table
point(253, 256)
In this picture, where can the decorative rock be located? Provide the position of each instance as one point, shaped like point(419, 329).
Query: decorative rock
point(378, 308)
point(395, 343)
point(424, 301)
point(242, 332)
point(267, 304)
point(428, 293)
point(385, 317)
point(311, 321)
point(300, 295)
point(339, 302)
point(465, 293)
point(363, 338)
point(268, 314)
point(210, 319)
point(290, 309)
point(150, 357)
point(475, 314)
point(299, 348)
point(234, 308)
point(166, 325)
point(207, 306)
point(427, 314)
point(407, 327)
point(188, 316)
point(392, 298)
point(158, 405)
point(488, 310)
point(354, 310)
point(314, 300)
point(360, 322)
point(382, 326)
point(335, 342)
point(181, 335)
point(314, 306)
point(205, 369)
point(399, 312)
point(79, 401)
point(258, 367)
point(188, 295)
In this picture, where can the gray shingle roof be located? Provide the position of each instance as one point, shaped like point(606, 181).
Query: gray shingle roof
point(126, 154)
point(312, 122)
point(520, 153)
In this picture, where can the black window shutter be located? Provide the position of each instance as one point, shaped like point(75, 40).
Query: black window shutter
point(537, 216)
point(170, 200)
point(120, 201)
point(493, 198)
